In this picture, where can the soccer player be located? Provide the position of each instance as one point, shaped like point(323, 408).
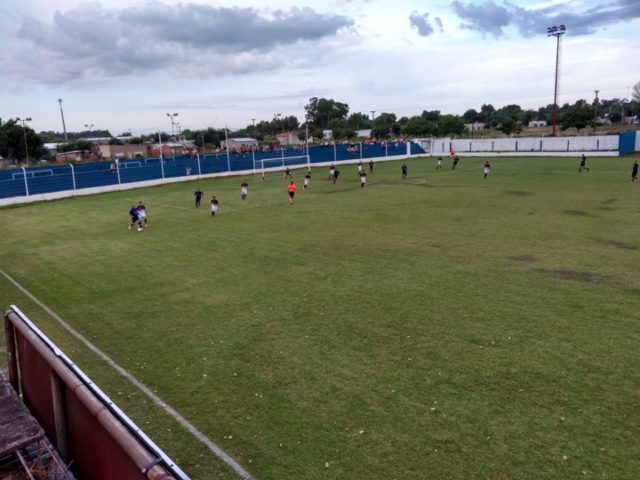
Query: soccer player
point(360, 168)
point(439, 163)
point(371, 166)
point(214, 205)
point(198, 194)
point(487, 168)
point(292, 191)
point(307, 179)
point(332, 172)
point(142, 213)
point(583, 164)
point(404, 171)
point(363, 179)
point(133, 212)
point(244, 190)
point(336, 174)
point(287, 173)
point(634, 171)
point(456, 159)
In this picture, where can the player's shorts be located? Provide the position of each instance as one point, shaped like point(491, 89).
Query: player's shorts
point(142, 215)
point(244, 191)
point(291, 194)
point(134, 218)
point(487, 170)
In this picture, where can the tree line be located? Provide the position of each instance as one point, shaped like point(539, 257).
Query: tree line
point(328, 114)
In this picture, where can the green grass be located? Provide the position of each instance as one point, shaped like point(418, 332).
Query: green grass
point(444, 326)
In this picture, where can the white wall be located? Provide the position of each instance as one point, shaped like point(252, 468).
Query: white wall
point(637, 141)
point(560, 146)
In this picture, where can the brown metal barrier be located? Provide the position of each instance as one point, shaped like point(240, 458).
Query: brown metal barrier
point(90, 432)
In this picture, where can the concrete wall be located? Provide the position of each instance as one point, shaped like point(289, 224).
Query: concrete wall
point(606, 145)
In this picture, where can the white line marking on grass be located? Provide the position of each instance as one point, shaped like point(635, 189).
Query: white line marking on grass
point(221, 454)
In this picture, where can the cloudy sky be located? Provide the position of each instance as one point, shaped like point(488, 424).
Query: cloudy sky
point(125, 64)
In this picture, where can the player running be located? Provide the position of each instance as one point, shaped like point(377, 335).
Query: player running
point(439, 163)
point(336, 174)
point(214, 205)
point(634, 171)
point(404, 171)
point(133, 212)
point(360, 168)
point(307, 179)
point(583, 164)
point(142, 213)
point(456, 159)
point(292, 191)
point(198, 194)
point(487, 168)
point(371, 166)
point(363, 179)
point(244, 190)
point(332, 172)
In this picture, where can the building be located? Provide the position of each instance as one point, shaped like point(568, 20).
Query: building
point(77, 156)
point(537, 124)
point(126, 151)
point(475, 126)
point(240, 143)
point(364, 133)
point(289, 138)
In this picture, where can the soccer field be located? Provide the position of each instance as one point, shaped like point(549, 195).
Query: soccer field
point(440, 327)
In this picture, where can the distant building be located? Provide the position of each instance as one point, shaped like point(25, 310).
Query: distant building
point(77, 156)
point(537, 124)
point(241, 143)
point(126, 151)
point(475, 126)
point(364, 133)
point(289, 138)
point(327, 134)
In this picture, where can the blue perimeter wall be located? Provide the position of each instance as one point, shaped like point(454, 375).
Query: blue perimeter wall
point(59, 178)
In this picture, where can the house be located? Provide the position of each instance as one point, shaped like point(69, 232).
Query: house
point(537, 123)
point(475, 126)
point(76, 156)
point(289, 138)
point(327, 134)
point(364, 133)
point(126, 151)
point(240, 143)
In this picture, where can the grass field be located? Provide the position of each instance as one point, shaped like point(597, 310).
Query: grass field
point(442, 327)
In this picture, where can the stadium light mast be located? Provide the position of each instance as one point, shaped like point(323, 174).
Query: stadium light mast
point(373, 119)
point(24, 131)
point(89, 126)
point(595, 112)
point(253, 121)
point(172, 116)
point(556, 31)
point(64, 126)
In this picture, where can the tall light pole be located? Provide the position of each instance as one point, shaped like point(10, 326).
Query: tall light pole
point(556, 31)
point(24, 131)
point(595, 112)
point(276, 117)
point(89, 126)
point(253, 120)
point(373, 119)
point(64, 126)
point(171, 117)
point(179, 130)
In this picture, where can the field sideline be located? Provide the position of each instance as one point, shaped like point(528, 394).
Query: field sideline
point(444, 326)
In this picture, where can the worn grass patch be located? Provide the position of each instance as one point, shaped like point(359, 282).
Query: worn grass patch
point(432, 328)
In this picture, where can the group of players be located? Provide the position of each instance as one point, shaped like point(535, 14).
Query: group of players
point(138, 212)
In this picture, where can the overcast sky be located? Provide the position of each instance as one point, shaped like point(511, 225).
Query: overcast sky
point(125, 64)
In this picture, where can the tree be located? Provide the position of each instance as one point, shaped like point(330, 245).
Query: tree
point(416, 126)
point(451, 125)
point(635, 93)
point(82, 145)
point(431, 116)
point(509, 126)
point(321, 111)
point(359, 121)
point(487, 111)
point(383, 124)
point(578, 116)
point(12, 145)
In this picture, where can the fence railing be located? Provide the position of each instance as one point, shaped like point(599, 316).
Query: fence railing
point(89, 431)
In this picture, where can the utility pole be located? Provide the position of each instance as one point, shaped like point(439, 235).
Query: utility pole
point(253, 120)
point(556, 31)
point(64, 126)
point(171, 117)
point(373, 120)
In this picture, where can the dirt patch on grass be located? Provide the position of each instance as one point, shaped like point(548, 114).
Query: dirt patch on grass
point(584, 277)
point(617, 244)
point(523, 258)
point(518, 193)
point(577, 213)
point(609, 201)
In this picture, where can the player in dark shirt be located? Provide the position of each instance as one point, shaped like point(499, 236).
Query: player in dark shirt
point(370, 166)
point(133, 212)
point(634, 171)
point(456, 159)
point(336, 173)
point(404, 171)
point(287, 173)
point(583, 164)
point(198, 194)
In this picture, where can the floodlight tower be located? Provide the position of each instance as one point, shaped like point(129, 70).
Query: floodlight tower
point(171, 117)
point(556, 31)
point(24, 131)
point(373, 120)
point(595, 112)
point(64, 126)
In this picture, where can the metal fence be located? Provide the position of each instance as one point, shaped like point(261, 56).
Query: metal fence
point(20, 182)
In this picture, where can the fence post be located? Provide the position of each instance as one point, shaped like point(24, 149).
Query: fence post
point(118, 171)
point(199, 169)
point(386, 148)
point(282, 153)
point(161, 168)
point(598, 145)
point(73, 176)
point(360, 151)
point(335, 152)
point(59, 415)
point(12, 360)
point(26, 184)
point(253, 157)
